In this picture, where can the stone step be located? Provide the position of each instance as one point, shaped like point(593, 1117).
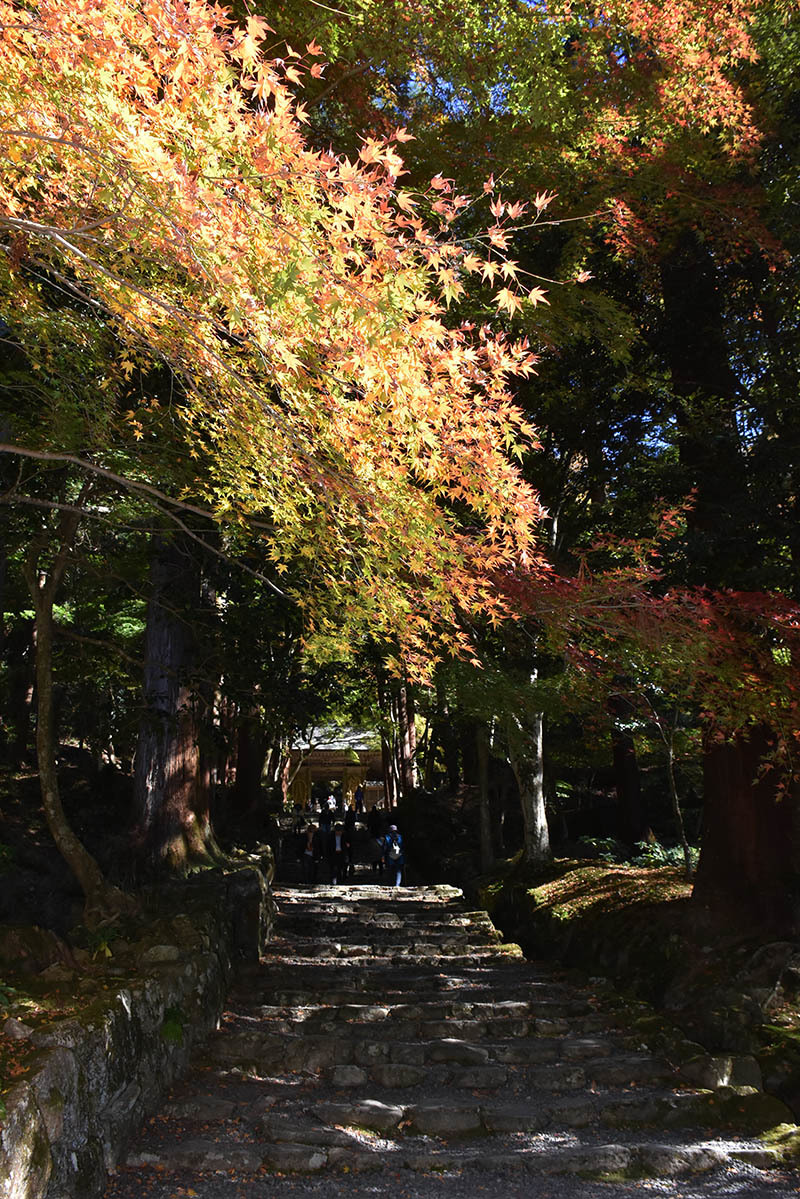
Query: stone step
point(330, 1022)
point(372, 933)
point(601, 1162)
point(396, 950)
point(383, 1019)
point(349, 1061)
point(296, 1145)
point(350, 919)
point(390, 1028)
point(409, 979)
point(616, 1109)
point(430, 955)
point(374, 897)
point(613, 1161)
point(546, 1019)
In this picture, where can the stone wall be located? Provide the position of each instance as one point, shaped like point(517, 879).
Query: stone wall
point(99, 1074)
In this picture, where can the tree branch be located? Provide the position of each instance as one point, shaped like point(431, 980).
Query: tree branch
point(64, 631)
point(123, 481)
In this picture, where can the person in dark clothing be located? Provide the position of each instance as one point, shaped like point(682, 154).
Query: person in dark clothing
point(375, 822)
point(312, 852)
point(325, 821)
point(349, 831)
point(375, 825)
point(338, 853)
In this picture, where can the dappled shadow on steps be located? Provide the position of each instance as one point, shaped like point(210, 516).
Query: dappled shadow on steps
point(390, 1032)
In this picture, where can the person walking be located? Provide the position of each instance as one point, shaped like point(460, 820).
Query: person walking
point(312, 852)
point(375, 826)
point(394, 856)
point(349, 834)
point(339, 854)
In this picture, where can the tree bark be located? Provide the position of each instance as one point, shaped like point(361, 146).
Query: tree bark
point(389, 751)
point(697, 354)
point(406, 740)
point(749, 868)
point(101, 899)
point(484, 810)
point(172, 819)
point(389, 772)
point(434, 726)
point(251, 753)
point(526, 754)
point(633, 823)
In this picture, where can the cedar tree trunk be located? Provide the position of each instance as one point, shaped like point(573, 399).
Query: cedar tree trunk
point(633, 822)
point(251, 753)
point(407, 740)
point(749, 868)
point(485, 815)
point(172, 820)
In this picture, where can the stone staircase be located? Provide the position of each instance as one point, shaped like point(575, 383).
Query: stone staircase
point(392, 1030)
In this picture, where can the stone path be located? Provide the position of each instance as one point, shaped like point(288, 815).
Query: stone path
point(390, 1034)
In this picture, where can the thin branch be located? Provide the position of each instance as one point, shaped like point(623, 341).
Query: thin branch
point(63, 631)
point(211, 549)
point(328, 8)
point(13, 497)
point(123, 481)
point(66, 536)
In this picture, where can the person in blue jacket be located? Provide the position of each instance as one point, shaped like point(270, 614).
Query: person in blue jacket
point(394, 856)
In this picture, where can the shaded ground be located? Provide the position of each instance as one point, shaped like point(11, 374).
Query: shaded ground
point(464, 1185)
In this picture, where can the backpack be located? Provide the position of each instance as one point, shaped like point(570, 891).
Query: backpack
point(394, 849)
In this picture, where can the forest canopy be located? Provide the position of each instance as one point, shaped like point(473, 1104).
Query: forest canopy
point(343, 370)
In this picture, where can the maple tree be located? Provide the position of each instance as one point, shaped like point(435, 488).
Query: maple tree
point(157, 177)
point(157, 170)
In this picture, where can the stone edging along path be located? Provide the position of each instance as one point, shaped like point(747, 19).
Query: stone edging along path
point(390, 1032)
point(99, 1074)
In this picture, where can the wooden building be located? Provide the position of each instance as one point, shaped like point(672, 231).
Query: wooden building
point(338, 757)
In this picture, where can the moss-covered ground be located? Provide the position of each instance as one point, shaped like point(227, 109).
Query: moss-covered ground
point(637, 927)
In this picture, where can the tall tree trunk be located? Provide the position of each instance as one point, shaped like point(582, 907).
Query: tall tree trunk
point(171, 812)
point(406, 740)
point(676, 810)
point(389, 772)
point(450, 751)
point(251, 753)
point(633, 822)
point(226, 726)
point(526, 754)
point(470, 765)
point(484, 811)
point(388, 743)
point(749, 868)
point(101, 899)
point(434, 729)
point(285, 767)
point(697, 354)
